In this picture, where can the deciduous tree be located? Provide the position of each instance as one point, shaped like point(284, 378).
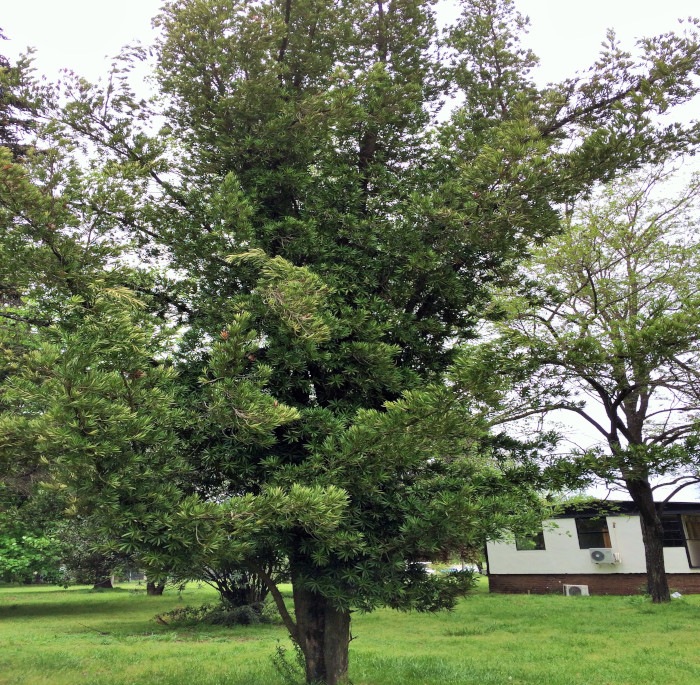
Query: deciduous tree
point(609, 329)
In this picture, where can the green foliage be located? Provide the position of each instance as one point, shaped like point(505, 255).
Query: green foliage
point(30, 558)
point(95, 411)
point(32, 549)
point(221, 614)
point(290, 667)
point(85, 554)
point(16, 106)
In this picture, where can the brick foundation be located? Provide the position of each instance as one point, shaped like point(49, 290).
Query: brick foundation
point(598, 583)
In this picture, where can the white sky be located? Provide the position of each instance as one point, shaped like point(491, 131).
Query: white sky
point(82, 35)
point(79, 34)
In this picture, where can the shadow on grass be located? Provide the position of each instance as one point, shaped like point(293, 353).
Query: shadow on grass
point(54, 590)
point(21, 605)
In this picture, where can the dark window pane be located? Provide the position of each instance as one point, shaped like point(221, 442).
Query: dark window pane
point(673, 531)
point(534, 541)
point(592, 533)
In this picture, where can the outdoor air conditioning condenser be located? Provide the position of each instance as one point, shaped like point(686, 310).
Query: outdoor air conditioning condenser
point(575, 590)
point(604, 555)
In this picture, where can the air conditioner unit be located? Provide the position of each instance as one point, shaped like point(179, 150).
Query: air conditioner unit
point(576, 590)
point(604, 555)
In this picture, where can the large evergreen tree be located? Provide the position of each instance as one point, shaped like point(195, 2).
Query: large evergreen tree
point(327, 243)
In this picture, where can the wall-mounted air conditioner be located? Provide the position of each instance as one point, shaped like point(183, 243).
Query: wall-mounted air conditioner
point(575, 590)
point(604, 555)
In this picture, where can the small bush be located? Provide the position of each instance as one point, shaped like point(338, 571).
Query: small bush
point(222, 614)
point(639, 600)
point(290, 668)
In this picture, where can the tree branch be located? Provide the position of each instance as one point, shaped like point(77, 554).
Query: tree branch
point(277, 596)
point(678, 489)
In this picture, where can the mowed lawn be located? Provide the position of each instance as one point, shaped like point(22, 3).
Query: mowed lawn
point(56, 636)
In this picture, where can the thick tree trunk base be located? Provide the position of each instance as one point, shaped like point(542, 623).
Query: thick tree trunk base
point(323, 633)
point(103, 584)
point(154, 590)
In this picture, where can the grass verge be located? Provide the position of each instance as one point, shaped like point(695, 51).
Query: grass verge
point(54, 636)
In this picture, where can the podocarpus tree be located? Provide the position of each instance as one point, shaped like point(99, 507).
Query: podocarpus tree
point(341, 240)
point(17, 111)
point(609, 329)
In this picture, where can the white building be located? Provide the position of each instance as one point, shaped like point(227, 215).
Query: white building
point(601, 552)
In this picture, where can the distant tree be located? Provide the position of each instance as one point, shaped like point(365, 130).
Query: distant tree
point(84, 556)
point(30, 548)
point(27, 556)
point(606, 325)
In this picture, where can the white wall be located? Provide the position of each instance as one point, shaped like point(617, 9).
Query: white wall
point(562, 553)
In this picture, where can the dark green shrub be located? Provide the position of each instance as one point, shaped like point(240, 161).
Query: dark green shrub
point(222, 614)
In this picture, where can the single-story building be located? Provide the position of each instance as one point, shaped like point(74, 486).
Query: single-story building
point(597, 549)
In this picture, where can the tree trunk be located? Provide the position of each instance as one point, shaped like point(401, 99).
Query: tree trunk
point(103, 584)
point(323, 633)
point(653, 537)
point(154, 590)
point(235, 596)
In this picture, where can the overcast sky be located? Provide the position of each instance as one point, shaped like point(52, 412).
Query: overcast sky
point(82, 34)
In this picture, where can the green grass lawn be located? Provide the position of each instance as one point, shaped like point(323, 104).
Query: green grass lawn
point(55, 636)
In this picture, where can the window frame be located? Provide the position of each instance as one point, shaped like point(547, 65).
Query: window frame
point(530, 542)
point(690, 522)
point(671, 532)
point(593, 532)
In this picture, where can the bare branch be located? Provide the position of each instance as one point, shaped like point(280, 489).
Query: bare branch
point(679, 488)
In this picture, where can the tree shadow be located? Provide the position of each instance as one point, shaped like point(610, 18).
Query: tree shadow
point(30, 605)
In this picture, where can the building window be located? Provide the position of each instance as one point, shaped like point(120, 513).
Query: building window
point(592, 533)
point(691, 524)
point(530, 542)
point(673, 530)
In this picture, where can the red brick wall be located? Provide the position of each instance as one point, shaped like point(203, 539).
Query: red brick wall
point(598, 583)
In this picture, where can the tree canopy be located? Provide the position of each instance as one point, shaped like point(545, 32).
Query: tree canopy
point(606, 326)
point(16, 107)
